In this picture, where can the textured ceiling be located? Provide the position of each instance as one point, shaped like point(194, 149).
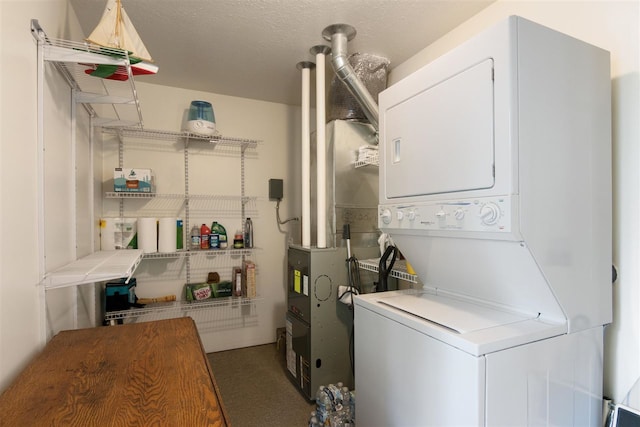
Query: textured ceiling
point(250, 48)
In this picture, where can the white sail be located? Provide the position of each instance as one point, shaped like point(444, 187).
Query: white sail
point(116, 30)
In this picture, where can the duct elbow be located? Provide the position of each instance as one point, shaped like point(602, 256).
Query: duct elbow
point(341, 66)
point(340, 57)
point(348, 76)
point(339, 35)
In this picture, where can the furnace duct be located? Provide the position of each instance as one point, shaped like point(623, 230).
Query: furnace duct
point(372, 72)
point(372, 68)
point(334, 191)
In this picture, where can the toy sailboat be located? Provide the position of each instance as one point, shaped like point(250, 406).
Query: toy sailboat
point(116, 32)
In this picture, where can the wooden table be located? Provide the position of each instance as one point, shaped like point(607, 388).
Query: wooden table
point(141, 374)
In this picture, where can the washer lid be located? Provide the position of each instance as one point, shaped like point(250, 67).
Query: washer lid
point(455, 314)
point(473, 326)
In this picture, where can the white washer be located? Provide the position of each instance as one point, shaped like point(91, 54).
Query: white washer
point(506, 371)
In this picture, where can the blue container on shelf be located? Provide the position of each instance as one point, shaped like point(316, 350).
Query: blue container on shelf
point(120, 294)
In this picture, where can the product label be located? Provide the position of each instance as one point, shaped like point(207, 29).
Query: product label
point(238, 283)
point(204, 241)
point(202, 293)
point(296, 281)
point(214, 241)
point(291, 355)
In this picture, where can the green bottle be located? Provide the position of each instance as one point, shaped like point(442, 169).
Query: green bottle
point(179, 234)
point(222, 234)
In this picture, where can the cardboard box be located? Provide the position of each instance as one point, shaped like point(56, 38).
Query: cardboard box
point(204, 291)
point(222, 289)
point(249, 279)
point(132, 180)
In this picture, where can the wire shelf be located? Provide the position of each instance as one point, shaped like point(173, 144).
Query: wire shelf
point(215, 197)
point(399, 270)
point(76, 60)
point(163, 135)
point(367, 157)
point(202, 252)
point(134, 195)
point(97, 267)
point(180, 308)
point(79, 52)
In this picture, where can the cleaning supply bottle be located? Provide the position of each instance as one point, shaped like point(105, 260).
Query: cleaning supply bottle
point(205, 231)
point(179, 233)
point(248, 233)
point(224, 244)
point(195, 237)
point(214, 237)
point(221, 232)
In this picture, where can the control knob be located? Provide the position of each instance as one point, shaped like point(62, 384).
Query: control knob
point(385, 215)
point(489, 213)
point(441, 215)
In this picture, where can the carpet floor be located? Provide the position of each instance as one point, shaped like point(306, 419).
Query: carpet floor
point(255, 388)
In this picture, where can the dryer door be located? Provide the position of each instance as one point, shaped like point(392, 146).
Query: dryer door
point(440, 139)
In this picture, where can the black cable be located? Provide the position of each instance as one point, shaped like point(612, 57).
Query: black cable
point(278, 215)
point(353, 288)
point(384, 268)
point(353, 270)
point(353, 276)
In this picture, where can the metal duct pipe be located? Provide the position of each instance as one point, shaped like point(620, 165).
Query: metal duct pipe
point(339, 35)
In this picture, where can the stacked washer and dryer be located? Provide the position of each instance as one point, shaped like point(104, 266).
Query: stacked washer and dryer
point(495, 183)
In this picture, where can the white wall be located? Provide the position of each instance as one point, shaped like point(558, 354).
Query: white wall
point(614, 26)
point(20, 267)
point(276, 127)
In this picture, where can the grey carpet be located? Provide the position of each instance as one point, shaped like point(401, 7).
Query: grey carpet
point(255, 388)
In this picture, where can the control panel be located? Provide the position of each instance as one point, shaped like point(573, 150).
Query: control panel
point(492, 214)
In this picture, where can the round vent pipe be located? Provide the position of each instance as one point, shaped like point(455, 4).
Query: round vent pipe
point(306, 67)
point(339, 35)
point(320, 52)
